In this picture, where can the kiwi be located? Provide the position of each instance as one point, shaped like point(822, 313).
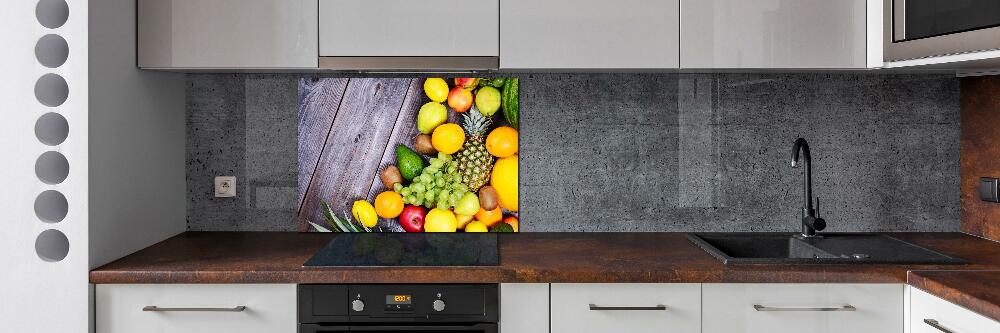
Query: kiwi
point(488, 198)
point(391, 176)
point(422, 144)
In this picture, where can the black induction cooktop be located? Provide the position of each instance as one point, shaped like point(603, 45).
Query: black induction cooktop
point(408, 249)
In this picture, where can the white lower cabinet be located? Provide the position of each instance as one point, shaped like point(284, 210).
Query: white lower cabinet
point(816, 308)
point(626, 307)
point(196, 308)
point(930, 314)
point(524, 308)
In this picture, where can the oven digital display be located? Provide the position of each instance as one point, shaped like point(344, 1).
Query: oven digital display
point(398, 299)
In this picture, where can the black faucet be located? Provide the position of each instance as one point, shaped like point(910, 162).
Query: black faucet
point(810, 221)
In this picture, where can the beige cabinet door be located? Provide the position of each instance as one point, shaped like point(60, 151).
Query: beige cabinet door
point(774, 34)
point(406, 28)
point(227, 34)
point(589, 34)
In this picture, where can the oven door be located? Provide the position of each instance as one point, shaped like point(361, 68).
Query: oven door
point(916, 29)
point(474, 328)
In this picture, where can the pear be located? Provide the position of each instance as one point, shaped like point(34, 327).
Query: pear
point(467, 205)
point(430, 116)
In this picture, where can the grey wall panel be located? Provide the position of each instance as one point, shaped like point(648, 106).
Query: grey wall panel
point(644, 152)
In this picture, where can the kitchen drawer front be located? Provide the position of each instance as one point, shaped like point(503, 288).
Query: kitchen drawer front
point(730, 308)
point(269, 308)
point(406, 28)
point(571, 310)
point(946, 315)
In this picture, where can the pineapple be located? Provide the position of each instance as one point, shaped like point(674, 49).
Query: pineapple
point(474, 162)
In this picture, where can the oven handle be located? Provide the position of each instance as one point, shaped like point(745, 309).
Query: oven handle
point(481, 327)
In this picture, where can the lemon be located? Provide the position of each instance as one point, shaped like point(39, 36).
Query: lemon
point(364, 213)
point(475, 226)
point(440, 220)
point(436, 89)
point(448, 138)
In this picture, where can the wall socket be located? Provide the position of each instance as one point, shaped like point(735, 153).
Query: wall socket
point(225, 186)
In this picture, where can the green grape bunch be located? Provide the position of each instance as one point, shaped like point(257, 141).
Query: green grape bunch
point(438, 185)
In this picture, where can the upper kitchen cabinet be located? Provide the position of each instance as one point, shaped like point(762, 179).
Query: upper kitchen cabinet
point(779, 34)
point(221, 34)
point(589, 34)
point(409, 35)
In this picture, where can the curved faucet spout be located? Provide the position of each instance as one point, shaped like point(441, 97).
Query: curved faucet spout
point(807, 188)
point(810, 222)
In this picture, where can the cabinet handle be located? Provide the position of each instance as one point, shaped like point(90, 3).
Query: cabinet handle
point(848, 307)
point(159, 309)
point(660, 307)
point(935, 324)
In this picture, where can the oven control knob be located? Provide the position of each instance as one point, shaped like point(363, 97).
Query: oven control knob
point(438, 305)
point(358, 305)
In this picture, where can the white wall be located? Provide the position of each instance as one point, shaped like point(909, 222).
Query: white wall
point(124, 187)
point(137, 188)
point(38, 295)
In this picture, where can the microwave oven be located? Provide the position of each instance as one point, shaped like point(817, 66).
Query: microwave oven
point(915, 29)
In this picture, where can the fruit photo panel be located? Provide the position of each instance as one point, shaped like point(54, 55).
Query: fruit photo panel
point(408, 154)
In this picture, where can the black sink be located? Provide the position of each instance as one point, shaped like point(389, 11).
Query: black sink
point(786, 248)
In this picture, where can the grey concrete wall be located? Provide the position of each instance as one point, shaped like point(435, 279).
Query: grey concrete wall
point(641, 152)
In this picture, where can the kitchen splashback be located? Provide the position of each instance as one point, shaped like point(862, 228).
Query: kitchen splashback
point(638, 152)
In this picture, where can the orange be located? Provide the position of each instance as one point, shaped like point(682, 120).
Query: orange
point(448, 138)
point(489, 218)
point(502, 141)
point(463, 220)
point(504, 181)
point(388, 204)
point(512, 221)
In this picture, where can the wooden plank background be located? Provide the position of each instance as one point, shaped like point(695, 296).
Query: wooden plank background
point(348, 132)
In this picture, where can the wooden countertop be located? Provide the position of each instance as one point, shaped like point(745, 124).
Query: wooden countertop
point(978, 291)
point(277, 257)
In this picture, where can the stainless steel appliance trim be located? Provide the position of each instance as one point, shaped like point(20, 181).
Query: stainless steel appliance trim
point(957, 43)
point(848, 307)
point(409, 63)
point(935, 324)
point(658, 307)
point(898, 20)
point(154, 308)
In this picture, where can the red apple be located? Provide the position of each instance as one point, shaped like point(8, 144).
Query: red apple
point(466, 82)
point(460, 99)
point(412, 218)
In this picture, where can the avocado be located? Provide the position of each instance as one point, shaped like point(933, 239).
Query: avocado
point(410, 164)
point(502, 227)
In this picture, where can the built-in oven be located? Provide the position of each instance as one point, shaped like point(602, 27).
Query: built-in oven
point(928, 28)
point(385, 308)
